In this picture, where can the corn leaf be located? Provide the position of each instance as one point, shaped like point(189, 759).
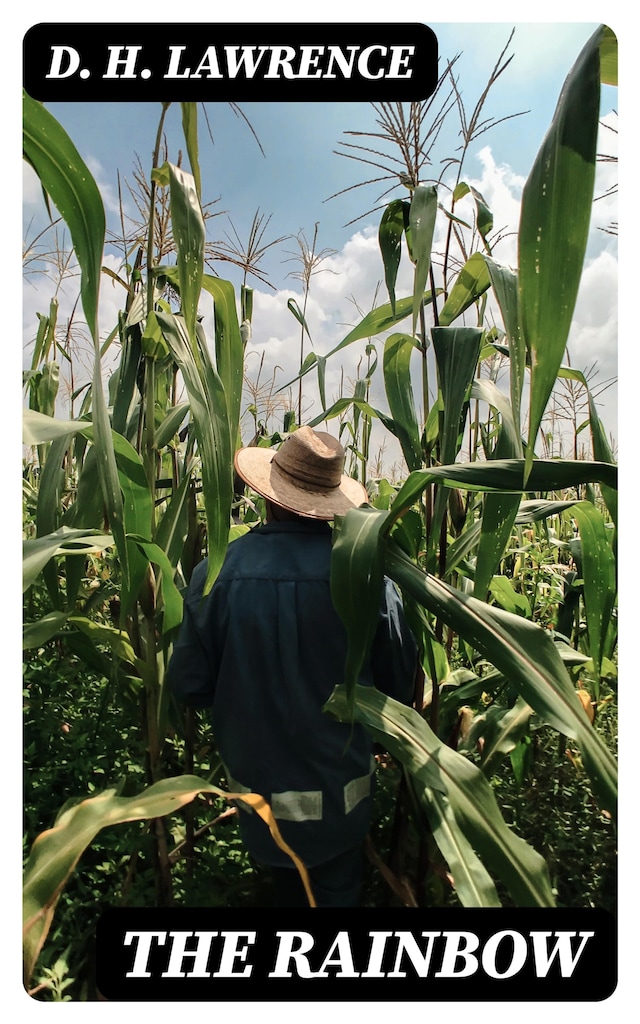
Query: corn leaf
point(356, 584)
point(190, 131)
point(172, 600)
point(393, 224)
point(599, 574)
point(422, 221)
point(208, 405)
point(456, 350)
point(554, 225)
point(500, 730)
point(505, 475)
point(189, 235)
point(36, 634)
point(229, 347)
point(499, 509)
point(396, 364)
point(524, 654)
point(64, 541)
point(435, 767)
point(67, 180)
point(472, 882)
point(56, 852)
point(602, 451)
point(504, 282)
point(472, 282)
point(608, 57)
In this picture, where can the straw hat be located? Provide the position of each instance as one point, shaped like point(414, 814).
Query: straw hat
point(303, 475)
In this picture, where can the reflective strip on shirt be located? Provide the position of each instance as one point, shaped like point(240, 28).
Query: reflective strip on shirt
point(237, 787)
point(294, 805)
point(306, 805)
point(357, 790)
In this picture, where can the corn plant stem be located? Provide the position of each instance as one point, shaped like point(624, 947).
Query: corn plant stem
point(190, 735)
point(427, 499)
point(398, 841)
point(176, 853)
point(149, 386)
point(154, 741)
point(304, 320)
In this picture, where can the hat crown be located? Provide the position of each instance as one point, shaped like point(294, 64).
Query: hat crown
point(314, 459)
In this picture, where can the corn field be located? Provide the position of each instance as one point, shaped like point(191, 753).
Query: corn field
point(506, 558)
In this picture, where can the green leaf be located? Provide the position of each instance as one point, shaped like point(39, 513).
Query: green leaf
point(173, 528)
point(602, 452)
point(189, 236)
point(422, 221)
point(535, 509)
point(36, 634)
point(502, 590)
point(38, 428)
point(599, 573)
point(505, 475)
point(56, 852)
point(208, 405)
point(484, 217)
point(356, 584)
point(117, 641)
point(171, 424)
point(456, 350)
point(504, 282)
point(472, 882)
point(396, 364)
point(190, 130)
point(608, 57)
point(378, 320)
point(126, 375)
point(554, 226)
point(524, 654)
point(501, 730)
point(472, 282)
point(64, 541)
point(171, 597)
point(229, 347)
point(375, 322)
point(437, 768)
point(65, 177)
point(67, 180)
point(499, 509)
point(393, 224)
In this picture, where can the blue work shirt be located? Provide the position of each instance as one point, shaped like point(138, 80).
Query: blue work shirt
point(264, 651)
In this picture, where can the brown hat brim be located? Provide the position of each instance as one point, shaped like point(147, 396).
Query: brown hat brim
point(256, 467)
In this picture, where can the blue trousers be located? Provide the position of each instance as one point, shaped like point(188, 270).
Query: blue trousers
point(336, 883)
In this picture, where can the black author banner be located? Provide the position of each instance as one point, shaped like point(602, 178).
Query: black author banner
point(382, 954)
point(231, 62)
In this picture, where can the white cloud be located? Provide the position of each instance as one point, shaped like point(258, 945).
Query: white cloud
point(351, 283)
point(358, 272)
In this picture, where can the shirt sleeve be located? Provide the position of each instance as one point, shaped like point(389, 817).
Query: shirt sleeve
point(394, 653)
point(190, 674)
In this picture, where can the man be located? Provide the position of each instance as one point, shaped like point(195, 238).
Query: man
point(265, 649)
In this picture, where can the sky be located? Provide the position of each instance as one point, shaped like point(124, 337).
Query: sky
point(284, 161)
point(292, 182)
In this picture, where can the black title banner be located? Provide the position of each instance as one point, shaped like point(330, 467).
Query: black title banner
point(230, 62)
point(382, 954)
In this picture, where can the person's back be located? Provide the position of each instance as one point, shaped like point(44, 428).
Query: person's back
point(264, 650)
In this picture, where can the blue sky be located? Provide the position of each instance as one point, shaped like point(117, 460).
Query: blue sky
point(299, 170)
point(291, 183)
